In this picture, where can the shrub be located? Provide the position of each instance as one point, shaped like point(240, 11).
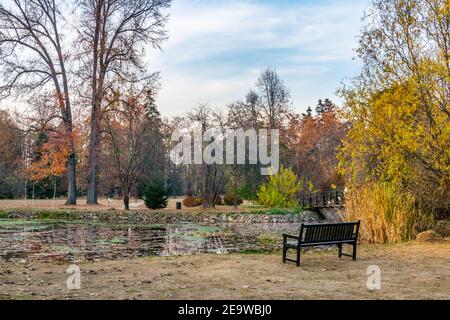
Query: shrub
point(428, 236)
point(230, 198)
point(156, 196)
point(281, 191)
point(207, 201)
point(247, 192)
point(386, 214)
point(191, 202)
point(219, 201)
point(443, 228)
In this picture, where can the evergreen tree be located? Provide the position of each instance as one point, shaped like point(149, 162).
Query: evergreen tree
point(156, 196)
point(308, 112)
point(324, 106)
point(155, 162)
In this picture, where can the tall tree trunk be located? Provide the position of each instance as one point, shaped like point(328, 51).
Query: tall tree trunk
point(96, 88)
point(126, 199)
point(235, 200)
point(94, 145)
point(72, 159)
point(32, 197)
point(66, 109)
point(54, 192)
point(72, 179)
point(26, 185)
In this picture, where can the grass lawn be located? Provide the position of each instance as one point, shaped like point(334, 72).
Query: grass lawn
point(408, 271)
point(136, 205)
point(117, 204)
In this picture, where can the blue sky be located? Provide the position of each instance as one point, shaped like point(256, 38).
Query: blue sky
point(217, 49)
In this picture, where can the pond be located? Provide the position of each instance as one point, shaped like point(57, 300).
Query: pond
point(86, 241)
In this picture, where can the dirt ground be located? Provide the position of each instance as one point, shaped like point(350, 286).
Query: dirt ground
point(135, 204)
point(408, 271)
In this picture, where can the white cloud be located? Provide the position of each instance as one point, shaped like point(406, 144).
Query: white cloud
point(216, 50)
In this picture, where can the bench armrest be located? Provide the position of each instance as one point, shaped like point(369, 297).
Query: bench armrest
point(288, 236)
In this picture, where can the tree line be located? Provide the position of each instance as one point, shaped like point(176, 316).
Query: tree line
point(92, 111)
point(136, 144)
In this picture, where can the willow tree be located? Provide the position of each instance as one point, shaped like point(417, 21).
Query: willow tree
point(399, 105)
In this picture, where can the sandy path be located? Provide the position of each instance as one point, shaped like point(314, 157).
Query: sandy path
point(408, 271)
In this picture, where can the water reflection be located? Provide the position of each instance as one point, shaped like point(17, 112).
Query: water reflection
point(76, 241)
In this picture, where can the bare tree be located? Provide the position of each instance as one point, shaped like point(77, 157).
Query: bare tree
point(32, 57)
point(212, 178)
point(127, 129)
point(245, 114)
point(267, 106)
point(215, 180)
point(274, 97)
point(113, 35)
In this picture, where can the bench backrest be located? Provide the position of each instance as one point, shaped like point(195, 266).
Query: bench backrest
point(315, 233)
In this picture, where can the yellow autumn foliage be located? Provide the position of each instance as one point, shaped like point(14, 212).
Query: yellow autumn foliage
point(281, 191)
point(396, 155)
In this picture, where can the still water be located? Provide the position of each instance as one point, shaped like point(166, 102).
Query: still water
point(83, 241)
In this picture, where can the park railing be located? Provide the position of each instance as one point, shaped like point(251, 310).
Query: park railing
point(334, 198)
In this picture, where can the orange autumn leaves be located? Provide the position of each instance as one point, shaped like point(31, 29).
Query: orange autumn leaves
point(314, 140)
point(52, 160)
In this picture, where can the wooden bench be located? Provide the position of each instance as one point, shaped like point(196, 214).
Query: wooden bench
point(322, 234)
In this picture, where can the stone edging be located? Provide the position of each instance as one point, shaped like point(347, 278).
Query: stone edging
point(160, 217)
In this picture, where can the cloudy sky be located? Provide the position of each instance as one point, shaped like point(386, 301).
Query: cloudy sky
point(217, 48)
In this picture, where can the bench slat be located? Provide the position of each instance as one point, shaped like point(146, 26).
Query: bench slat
point(328, 232)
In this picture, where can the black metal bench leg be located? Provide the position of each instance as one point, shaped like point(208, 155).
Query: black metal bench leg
point(284, 254)
point(340, 250)
point(354, 251)
point(298, 257)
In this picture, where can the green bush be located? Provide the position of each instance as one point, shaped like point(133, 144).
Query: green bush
point(247, 192)
point(156, 196)
point(281, 191)
point(230, 198)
